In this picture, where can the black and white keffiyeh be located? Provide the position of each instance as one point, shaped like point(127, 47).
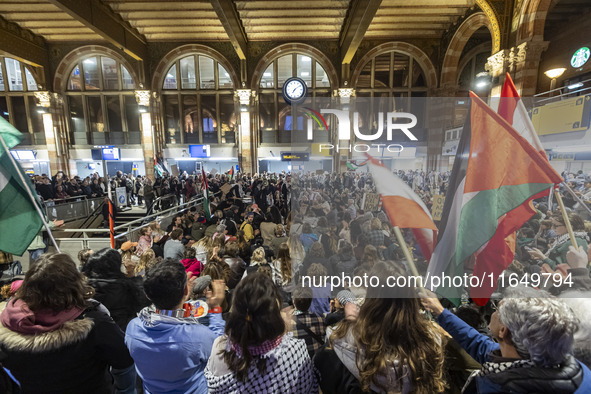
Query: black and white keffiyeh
point(492, 368)
point(288, 370)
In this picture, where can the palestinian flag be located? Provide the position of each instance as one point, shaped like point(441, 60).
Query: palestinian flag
point(231, 172)
point(496, 172)
point(496, 255)
point(404, 208)
point(205, 189)
point(18, 216)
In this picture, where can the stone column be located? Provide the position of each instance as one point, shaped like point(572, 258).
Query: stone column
point(440, 117)
point(247, 150)
point(497, 66)
point(56, 150)
point(344, 95)
point(526, 62)
point(143, 99)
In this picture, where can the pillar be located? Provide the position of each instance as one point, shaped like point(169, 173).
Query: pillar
point(526, 62)
point(344, 95)
point(497, 66)
point(441, 105)
point(56, 149)
point(143, 99)
point(247, 152)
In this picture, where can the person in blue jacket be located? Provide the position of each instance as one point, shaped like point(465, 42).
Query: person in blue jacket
point(533, 352)
point(169, 343)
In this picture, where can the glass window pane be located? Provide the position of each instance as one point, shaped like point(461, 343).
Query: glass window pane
point(321, 77)
point(132, 113)
point(188, 78)
point(304, 69)
point(224, 80)
point(268, 80)
point(4, 108)
point(267, 117)
point(382, 71)
point(209, 119)
point(128, 82)
point(110, 78)
point(400, 78)
point(31, 83)
point(74, 82)
point(77, 114)
point(114, 113)
point(91, 74)
point(228, 119)
point(284, 69)
point(172, 124)
point(19, 114)
point(1, 78)
point(170, 80)
point(206, 73)
point(190, 118)
point(15, 79)
point(418, 77)
point(95, 114)
point(36, 116)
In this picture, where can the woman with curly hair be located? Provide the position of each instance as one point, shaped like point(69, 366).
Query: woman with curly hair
point(256, 355)
point(390, 347)
point(57, 339)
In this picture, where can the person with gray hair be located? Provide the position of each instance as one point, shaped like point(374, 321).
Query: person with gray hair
point(533, 352)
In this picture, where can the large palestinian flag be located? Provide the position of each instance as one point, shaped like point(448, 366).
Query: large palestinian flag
point(495, 173)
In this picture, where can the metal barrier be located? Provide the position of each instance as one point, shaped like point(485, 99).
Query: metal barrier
point(163, 203)
point(129, 231)
point(71, 208)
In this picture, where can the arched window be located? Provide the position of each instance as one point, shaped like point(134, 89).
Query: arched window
point(275, 120)
point(388, 82)
point(197, 97)
point(101, 102)
point(17, 102)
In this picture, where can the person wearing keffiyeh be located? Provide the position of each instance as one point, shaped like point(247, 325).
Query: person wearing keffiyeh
point(256, 355)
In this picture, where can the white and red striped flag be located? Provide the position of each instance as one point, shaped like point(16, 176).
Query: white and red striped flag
point(404, 208)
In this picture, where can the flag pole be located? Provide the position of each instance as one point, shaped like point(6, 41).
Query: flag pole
point(407, 254)
point(569, 228)
point(111, 229)
point(550, 199)
point(572, 193)
point(28, 189)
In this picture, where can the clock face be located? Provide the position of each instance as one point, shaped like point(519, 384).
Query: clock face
point(294, 90)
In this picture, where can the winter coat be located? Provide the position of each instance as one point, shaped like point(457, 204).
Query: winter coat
point(74, 358)
point(123, 297)
point(570, 377)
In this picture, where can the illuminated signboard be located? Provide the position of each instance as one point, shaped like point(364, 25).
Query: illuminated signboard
point(580, 57)
point(295, 156)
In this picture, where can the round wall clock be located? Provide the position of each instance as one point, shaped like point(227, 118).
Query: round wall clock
point(295, 91)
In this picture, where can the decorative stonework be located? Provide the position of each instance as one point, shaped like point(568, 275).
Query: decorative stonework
point(494, 24)
point(43, 98)
point(498, 63)
point(345, 93)
point(244, 95)
point(143, 97)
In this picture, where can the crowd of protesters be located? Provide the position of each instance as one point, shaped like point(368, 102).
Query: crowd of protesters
point(218, 304)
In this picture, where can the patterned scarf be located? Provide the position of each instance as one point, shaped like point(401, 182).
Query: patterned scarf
point(492, 368)
point(565, 237)
point(259, 350)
